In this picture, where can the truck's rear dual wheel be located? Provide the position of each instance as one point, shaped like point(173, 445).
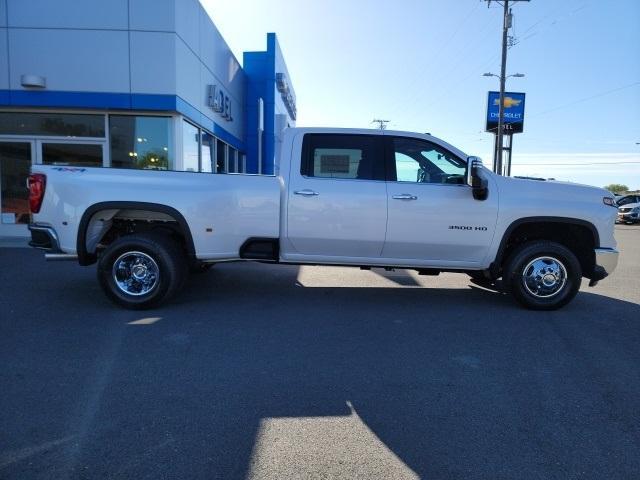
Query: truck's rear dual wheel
point(542, 275)
point(142, 270)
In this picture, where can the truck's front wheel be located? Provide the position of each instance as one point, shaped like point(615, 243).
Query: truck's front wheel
point(542, 275)
point(142, 270)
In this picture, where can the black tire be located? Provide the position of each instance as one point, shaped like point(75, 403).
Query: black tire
point(552, 257)
point(167, 259)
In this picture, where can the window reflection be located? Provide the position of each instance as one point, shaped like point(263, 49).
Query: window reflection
point(51, 124)
point(141, 142)
point(79, 155)
point(221, 148)
point(15, 162)
point(207, 151)
point(190, 147)
point(233, 157)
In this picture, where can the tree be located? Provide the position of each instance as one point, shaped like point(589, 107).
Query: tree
point(617, 188)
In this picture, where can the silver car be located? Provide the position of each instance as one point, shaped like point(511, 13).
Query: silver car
point(629, 209)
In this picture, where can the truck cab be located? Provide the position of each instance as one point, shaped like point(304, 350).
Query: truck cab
point(388, 197)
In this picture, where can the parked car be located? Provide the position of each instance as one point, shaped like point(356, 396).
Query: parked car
point(629, 213)
point(364, 198)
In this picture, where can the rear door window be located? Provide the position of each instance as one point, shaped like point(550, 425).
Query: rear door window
point(343, 156)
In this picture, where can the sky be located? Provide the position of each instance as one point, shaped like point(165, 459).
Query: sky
point(419, 64)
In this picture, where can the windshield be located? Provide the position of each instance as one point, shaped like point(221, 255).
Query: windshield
point(626, 200)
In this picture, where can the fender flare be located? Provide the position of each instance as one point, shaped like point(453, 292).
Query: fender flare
point(86, 258)
point(495, 265)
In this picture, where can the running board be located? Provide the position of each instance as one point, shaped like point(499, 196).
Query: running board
point(56, 257)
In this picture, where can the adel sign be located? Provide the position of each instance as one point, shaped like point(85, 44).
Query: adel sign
point(513, 112)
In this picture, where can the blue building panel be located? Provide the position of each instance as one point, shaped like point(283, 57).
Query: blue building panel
point(148, 101)
point(35, 98)
point(261, 69)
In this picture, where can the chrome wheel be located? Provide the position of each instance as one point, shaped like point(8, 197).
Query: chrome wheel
point(135, 273)
point(544, 277)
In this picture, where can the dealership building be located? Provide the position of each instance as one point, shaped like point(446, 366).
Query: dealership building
point(137, 84)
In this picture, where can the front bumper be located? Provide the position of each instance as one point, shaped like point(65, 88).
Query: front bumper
point(628, 217)
point(606, 263)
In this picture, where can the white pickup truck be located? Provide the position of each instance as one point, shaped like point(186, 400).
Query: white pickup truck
point(364, 198)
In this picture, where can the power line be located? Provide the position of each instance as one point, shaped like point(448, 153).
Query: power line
point(591, 97)
point(554, 21)
point(579, 164)
point(432, 63)
point(449, 86)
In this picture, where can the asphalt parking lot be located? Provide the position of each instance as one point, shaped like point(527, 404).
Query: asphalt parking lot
point(259, 371)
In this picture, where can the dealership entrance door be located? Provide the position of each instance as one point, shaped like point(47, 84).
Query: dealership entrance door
point(49, 138)
point(16, 158)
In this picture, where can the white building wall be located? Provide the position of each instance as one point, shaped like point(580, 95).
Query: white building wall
point(71, 60)
point(97, 14)
point(152, 15)
point(3, 13)
point(4, 60)
point(150, 72)
point(168, 47)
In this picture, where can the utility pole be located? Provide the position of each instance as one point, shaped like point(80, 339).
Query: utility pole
point(382, 124)
point(506, 25)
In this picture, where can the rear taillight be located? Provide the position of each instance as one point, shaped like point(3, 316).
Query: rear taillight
point(37, 184)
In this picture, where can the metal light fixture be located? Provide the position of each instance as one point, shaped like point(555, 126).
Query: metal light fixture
point(515, 75)
point(30, 80)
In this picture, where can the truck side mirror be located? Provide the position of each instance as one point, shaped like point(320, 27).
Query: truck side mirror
point(479, 185)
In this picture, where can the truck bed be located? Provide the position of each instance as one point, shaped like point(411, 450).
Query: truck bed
point(222, 211)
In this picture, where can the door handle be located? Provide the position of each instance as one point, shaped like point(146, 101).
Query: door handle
point(306, 192)
point(405, 196)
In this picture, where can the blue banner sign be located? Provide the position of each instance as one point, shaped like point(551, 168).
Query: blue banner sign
point(513, 120)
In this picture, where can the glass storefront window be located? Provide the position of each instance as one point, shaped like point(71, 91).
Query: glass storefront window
point(221, 148)
point(190, 147)
point(233, 157)
point(51, 124)
point(207, 152)
point(141, 142)
point(78, 155)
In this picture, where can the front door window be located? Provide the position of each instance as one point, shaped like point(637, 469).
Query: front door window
point(418, 161)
